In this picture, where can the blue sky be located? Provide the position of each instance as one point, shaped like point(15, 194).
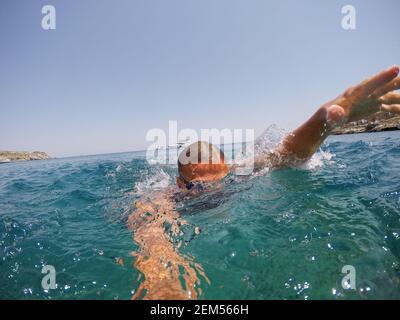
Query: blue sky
point(112, 70)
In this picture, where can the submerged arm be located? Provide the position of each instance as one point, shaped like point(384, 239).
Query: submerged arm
point(154, 224)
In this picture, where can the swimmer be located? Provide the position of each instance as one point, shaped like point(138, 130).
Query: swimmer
point(202, 164)
point(372, 95)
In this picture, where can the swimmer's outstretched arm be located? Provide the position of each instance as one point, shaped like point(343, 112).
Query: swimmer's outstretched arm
point(357, 102)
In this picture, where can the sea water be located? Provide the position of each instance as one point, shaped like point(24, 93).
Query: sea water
point(282, 234)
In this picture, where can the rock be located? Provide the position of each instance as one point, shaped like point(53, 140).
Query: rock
point(9, 156)
point(376, 123)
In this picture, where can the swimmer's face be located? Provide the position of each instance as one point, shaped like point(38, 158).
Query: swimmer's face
point(201, 161)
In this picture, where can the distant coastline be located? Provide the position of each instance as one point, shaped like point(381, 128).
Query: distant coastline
point(12, 156)
point(377, 123)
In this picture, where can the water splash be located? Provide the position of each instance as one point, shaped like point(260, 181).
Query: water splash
point(273, 136)
point(269, 139)
point(319, 160)
point(158, 179)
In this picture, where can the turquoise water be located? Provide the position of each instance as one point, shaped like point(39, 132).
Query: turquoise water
point(285, 234)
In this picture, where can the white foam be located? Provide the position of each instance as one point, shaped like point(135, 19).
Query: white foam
point(157, 180)
point(318, 160)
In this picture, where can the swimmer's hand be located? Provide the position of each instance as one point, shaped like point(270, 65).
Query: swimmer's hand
point(368, 97)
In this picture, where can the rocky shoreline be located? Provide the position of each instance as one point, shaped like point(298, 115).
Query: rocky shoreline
point(377, 123)
point(11, 156)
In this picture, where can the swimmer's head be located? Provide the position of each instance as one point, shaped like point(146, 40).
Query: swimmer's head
point(201, 161)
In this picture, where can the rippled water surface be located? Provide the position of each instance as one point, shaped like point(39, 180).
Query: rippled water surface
point(286, 234)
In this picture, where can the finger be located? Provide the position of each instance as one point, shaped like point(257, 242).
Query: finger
point(395, 108)
point(367, 87)
point(390, 86)
point(390, 98)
